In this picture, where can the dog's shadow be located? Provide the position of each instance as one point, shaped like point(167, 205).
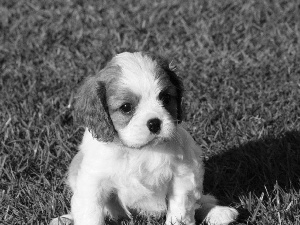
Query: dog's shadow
point(254, 167)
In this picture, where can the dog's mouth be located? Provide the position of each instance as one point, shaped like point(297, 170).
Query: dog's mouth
point(155, 141)
point(152, 142)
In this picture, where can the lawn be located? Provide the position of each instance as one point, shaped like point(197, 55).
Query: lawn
point(240, 62)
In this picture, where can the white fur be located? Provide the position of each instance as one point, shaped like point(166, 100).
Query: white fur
point(157, 173)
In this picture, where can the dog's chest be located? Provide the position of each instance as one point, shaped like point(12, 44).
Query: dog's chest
point(145, 182)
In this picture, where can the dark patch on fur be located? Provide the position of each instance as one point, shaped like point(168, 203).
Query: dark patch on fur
point(118, 97)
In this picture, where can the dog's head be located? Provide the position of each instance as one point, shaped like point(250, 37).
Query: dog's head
point(135, 99)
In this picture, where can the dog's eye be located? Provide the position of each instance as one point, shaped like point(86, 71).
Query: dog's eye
point(165, 98)
point(126, 108)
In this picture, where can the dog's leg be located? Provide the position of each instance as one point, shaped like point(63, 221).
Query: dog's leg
point(181, 200)
point(87, 204)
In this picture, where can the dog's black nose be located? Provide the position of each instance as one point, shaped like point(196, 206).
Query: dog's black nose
point(154, 125)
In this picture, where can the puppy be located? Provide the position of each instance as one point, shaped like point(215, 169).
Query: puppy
point(135, 154)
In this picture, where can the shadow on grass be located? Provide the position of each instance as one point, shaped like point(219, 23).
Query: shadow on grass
point(255, 167)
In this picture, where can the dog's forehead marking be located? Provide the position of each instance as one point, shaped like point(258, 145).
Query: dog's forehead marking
point(139, 73)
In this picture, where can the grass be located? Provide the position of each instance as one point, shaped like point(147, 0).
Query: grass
point(240, 61)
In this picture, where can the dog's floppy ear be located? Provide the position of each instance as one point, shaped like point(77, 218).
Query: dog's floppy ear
point(91, 109)
point(177, 82)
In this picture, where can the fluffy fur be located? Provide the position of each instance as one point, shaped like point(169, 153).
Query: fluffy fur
point(135, 154)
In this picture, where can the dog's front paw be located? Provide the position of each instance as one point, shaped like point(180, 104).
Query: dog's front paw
point(221, 215)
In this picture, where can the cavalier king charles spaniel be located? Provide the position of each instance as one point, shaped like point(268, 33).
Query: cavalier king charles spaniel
point(136, 155)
